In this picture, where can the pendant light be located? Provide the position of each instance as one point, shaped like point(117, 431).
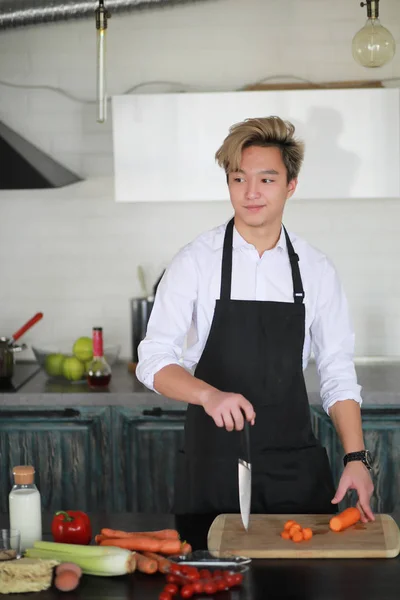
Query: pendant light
point(101, 25)
point(373, 45)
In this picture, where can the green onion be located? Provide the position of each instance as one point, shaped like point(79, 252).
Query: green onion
point(93, 560)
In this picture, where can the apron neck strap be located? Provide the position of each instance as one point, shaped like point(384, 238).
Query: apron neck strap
point(298, 291)
point(226, 270)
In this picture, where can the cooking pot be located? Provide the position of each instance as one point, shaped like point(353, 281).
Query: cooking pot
point(8, 348)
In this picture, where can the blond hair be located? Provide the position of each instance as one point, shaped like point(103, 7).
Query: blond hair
point(264, 132)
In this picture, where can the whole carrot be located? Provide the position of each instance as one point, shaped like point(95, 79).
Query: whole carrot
point(142, 543)
point(161, 534)
point(163, 563)
point(145, 564)
point(185, 548)
point(350, 516)
point(98, 538)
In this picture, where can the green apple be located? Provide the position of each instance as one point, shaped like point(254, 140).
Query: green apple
point(83, 348)
point(73, 368)
point(53, 364)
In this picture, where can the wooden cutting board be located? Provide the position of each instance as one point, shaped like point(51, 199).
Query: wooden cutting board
point(378, 539)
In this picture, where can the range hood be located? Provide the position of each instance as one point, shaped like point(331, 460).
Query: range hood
point(26, 167)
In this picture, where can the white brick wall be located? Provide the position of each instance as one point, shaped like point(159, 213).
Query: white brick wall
point(73, 253)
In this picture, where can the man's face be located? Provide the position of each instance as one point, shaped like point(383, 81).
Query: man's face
point(259, 190)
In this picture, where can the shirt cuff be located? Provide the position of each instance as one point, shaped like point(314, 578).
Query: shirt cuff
point(146, 371)
point(327, 403)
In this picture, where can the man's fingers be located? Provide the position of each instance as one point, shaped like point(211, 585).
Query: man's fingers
point(248, 410)
point(218, 420)
point(228, 421)
point(340, 492)
point(366, 511)
point(238, 418)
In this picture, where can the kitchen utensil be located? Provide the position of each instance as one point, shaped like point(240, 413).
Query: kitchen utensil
point(244, 475)
point(140, 313)
point(8, 348)
point(10, 544)
point(377, 539)
point(25, 328)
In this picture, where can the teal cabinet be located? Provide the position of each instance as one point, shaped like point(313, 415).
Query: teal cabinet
point(69, 448)
point(381, 427)
point(145, 446)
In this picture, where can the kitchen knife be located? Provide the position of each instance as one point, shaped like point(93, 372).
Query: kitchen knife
point(244, 474)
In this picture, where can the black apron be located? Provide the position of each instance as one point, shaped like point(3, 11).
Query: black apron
point(255, 348)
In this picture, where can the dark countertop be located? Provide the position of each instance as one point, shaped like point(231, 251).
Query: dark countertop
point(301, 579)
point(380, 381)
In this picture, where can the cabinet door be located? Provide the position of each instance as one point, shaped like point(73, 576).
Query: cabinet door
point(382, 438)
point(145, 446)
point(69, 448)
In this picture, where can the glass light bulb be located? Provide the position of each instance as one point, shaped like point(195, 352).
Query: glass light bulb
point(373, 45)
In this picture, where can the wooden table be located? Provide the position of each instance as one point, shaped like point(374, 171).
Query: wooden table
point(319, 579)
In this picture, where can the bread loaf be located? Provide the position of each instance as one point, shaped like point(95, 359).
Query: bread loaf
point(26, 575)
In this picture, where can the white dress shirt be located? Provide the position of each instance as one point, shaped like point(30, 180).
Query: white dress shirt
point(183, 310)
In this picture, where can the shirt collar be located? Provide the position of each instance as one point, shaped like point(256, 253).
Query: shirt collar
point(239, 242)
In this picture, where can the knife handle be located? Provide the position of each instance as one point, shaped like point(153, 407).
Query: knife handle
point(246, 441)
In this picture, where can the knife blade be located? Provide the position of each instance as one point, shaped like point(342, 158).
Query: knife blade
point(244, 476)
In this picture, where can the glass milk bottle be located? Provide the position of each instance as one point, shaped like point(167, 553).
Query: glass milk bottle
point(25, 506)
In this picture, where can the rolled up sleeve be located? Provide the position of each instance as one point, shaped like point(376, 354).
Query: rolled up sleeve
point(170, 319)
point(333, 342)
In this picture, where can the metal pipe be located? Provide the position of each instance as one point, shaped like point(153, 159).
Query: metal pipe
point(35, 12)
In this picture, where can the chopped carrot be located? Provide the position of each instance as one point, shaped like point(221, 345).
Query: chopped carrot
point(289, 524)
point(297, 536)
point(294, 528)
point(144, 564)
point(163, 564)
point(350, 516)
point(162, 534)
point(143, 543)
point(285, 535)
point(307, 533)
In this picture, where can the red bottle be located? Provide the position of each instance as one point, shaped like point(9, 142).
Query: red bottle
point(98, 371)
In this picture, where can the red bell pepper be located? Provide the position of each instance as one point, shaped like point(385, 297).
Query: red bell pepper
point(71, 527)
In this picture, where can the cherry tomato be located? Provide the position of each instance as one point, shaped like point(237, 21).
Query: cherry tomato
point(171, 588)
point(164, 596)
point(205, 574)
point(172, 579)
point(230, 579)
point(187, 591)
point(198, 586)
point(220, 583)
point(210, 587)
point(192, 575)
point(176, 569)
point(217, 573)
point(238, 578)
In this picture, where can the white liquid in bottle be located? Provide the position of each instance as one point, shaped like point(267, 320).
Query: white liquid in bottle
point(25, 507)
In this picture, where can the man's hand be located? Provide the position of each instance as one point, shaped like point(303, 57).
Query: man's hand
point(356, 476)
point(226, 409)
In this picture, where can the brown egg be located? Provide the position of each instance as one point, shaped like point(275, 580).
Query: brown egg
point(69, 566)
point(66, 581)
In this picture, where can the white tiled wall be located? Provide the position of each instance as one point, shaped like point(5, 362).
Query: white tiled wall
point(73, 253)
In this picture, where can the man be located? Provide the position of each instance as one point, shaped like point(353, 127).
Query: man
point(255, 301)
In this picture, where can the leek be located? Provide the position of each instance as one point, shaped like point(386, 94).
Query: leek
point(93, 560)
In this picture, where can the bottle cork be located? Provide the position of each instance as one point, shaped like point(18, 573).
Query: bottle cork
point(24, 474)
